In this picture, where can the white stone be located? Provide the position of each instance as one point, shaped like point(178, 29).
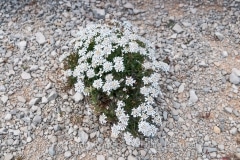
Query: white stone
point(21, 99)
point(181, 88)
point(234, 79)
point(77, 97)
point(4, 99)
point(8, 117)
point(53, 95)
point(44, 100)
point(153, 150)
point(22, 45)
point(83, 136)
point(100, 157)
point(128, 5)
point(67, 154)
point(224, 54)
point(236, 72)
point(33, 67)
point(40, 38)
point(25, 75)
point(130, 157)
point(193, 97)
point(8, 156)
point(177, 28)
point(34, 101)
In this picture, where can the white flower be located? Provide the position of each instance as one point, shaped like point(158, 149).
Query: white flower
point(68, 73)
point(79, 86)
point(118, 64)
point(107, 66)
point(115, 130)
point(130, 81)
point(136, 112)
point(102, 118)
point(97, 83)
point(145, 90)
point(124, 119)
point(90, 73)
point(109, 77)
point(120, 104)
point(119, 112)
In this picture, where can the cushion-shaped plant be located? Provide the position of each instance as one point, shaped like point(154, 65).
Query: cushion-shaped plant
point(118, 71)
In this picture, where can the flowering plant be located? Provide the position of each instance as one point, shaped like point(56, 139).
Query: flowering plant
point(118, 70)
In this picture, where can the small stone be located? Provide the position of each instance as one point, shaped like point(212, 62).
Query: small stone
point(165, 115)
point(162, 141)
point(181, 88)
point(221, 147)
point(8, 117)
point(153, 150)
point(34, 101)
point(233, 131)
point(236, 72)
point(33, 67)
point(128, 6)
point(199, 148)
point(131, 157)
point(44, 100)
point(216, 129)
point(83, 136)
point(40, 38)
point(206, 138)
point(177, 28)
point(2, 88)
point(228, 109)
point(219, 36)
point(53, 95)
point(21, 99)
point(8, 156)
point(99, 13)
point(209, 149)
point(121, 158)
point(100, 157)
point(37, 119)
point(29, 139)
point(174, 112)
point(4, 99)
point(234, 79)
point(51, 150)
point(224, 54)
point(77, 97)
point(67, 154)
point(193, 97)
point(143, 153)
point(25, 75)
point(22, 45)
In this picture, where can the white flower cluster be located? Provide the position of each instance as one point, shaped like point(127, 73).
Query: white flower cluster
point(95, 45)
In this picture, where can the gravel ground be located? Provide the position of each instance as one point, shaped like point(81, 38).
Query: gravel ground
point(200, 109)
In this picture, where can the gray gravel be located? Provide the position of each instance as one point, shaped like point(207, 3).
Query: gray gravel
point(200, 103)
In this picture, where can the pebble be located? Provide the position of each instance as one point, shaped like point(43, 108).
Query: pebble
point(8, 157)
point(193, 97)
point(224, 54)
point(22, 45)
point(83, 136)
point(216, 129)
point(228, 109)
point(128, 5)
point(233, 131)
point(37, 119)
point(221, 147)
point(4, 99)
point(40, 38)
point(8, 117)
point(100, 157)
point(177, 28)
point(51, 150)
point(77, 97)
point(67, 154)
point(234, 79)
point(181, 88)
point(131, 157)
point(21, 99)
point(219, 36)
point(25, 75)
point(34, 101)
point(99, 13)
point(52, 96)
